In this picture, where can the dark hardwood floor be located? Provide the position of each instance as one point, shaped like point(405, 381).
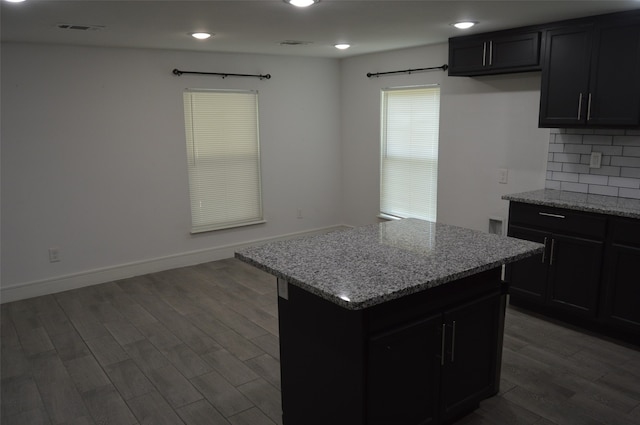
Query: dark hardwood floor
point(199, 345)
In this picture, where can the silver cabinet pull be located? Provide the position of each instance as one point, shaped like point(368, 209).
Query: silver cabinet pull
point(444, 330)
point(491, 53)
point(545, 250)
point(589, 108)
point(553, 245)
point(453, 340)
point(484, 54)
point(580, 106)
point(551, 215)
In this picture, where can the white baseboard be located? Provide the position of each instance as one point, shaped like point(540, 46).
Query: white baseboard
point(93, 277)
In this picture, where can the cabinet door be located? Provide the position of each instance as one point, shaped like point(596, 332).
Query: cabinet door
point(528, 277)
point(469, 371)
point(622, 302)
point(489, 54)
point(565, 77)
point(467, 56)
point(575, 267)
point(403, 375)
point(614, 98)
point(515, 51)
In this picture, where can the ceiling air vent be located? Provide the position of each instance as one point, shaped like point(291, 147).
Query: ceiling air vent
point(80, 27)
point(294, 43)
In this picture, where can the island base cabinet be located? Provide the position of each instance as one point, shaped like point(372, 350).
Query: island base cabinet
point(322, 351)
point(426, 358)
point(439, 368)
point(469, 371)
point(406, 360)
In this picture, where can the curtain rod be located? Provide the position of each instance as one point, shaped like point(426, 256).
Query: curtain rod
point(222, 74)
point(408, 71)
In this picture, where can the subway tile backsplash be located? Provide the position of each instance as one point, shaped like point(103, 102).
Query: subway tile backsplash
point(570, 155)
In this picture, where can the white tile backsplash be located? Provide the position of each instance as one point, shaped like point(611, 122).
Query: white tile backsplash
point(569, 157)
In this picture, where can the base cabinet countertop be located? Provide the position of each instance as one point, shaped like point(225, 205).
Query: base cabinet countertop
point(587, 273)
point(396, 323)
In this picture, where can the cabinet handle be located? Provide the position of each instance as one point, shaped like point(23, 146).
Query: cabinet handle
point(589, 108)
point(553, 245)
point(444, 330)
point(453, 340)
point(484, 54)
point(551, 215)
point(545, 250)
point(580, 106)
point(491, 53)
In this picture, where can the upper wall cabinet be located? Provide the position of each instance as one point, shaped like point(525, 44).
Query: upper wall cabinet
point(591, 73)
point(495, 53)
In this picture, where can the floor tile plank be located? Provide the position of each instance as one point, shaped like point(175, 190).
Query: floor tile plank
point(221, 394)
point(201, 413)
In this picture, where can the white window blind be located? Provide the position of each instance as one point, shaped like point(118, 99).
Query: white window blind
point(224, 159)
point(409, 152)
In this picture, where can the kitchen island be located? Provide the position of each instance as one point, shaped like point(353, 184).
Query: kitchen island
point(394, 323)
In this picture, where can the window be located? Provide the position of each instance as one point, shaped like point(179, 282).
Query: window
point(409, 152)
point(224, 159)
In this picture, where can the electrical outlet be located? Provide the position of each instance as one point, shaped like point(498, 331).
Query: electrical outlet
point(299, 213)
point(54, 254)
point(503, 176)
point(596, 160)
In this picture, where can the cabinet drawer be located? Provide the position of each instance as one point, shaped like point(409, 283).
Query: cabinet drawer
point(558, 220)
point(625, 231)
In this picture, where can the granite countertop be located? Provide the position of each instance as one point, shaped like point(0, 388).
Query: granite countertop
point(365, 266)
point(610, 205)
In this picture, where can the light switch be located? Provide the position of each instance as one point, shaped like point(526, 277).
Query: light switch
point(503, 175)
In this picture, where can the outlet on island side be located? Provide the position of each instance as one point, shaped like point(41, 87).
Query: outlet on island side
point(54, 254)
point(299, 213)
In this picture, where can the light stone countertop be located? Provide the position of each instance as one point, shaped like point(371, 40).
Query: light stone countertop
point(369, 265)
point(611, 205)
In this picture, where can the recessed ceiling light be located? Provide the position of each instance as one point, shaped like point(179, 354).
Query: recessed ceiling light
point(301, 3)
point(200, 35)
point(15, 1)
point(463, 25)
point(342, 46)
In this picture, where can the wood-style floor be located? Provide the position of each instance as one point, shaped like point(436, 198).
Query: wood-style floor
point(199, 345)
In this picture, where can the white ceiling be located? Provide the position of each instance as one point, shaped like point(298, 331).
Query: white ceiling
point(259, 26)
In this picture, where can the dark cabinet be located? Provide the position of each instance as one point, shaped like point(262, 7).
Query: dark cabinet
point(621, 305)
point(407, 360)
point(425, 358)
point(566, 277)
point(529, 276)
point(469, 364)
point(565, 76)
point(439, 368)
point(590, 73)
point(574, 274)
point(495, 53)
point(588, 272)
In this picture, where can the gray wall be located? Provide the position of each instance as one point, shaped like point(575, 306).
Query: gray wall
point(94, 159)
point(93, 156)
point(486, 124)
